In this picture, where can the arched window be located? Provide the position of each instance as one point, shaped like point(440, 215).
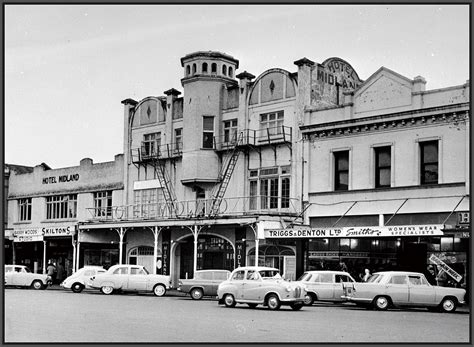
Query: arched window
point(188, 70)
point(230, 72)
point(194, 69)
point(204, 67)
point(224, 70)
point(213, 68)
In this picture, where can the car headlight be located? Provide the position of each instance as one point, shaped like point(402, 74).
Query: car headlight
point(288, 288)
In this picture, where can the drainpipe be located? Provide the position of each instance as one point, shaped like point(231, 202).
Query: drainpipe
point(195, 234)
point(120, 246)
point(44, 257)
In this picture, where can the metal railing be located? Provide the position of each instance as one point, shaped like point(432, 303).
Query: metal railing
point(252, 137)
point(165, 151)
point(198, 209)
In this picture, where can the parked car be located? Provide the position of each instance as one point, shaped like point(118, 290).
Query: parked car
point(205, 282)
point(21, 276)
point(324, 285)
point(82, 278)
point(401, 288)
point(260, 286)
point(130, 278)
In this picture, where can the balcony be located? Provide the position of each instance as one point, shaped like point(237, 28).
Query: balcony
point(198, 209)
point(255, 138)
point(152, 151)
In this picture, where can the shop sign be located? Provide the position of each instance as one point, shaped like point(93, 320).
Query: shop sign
point(240, 250)
point(58, 231)
point(28, 235)
point(369, 231)
point(435, 260)
point(464, 218)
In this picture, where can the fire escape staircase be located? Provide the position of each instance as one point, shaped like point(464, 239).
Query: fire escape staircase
point(225, 176)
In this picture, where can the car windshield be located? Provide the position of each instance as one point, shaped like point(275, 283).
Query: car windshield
point(375, 278)
point(269, 274)
point(304, 277)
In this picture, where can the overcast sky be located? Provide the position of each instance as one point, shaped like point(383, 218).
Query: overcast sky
point(68, 67)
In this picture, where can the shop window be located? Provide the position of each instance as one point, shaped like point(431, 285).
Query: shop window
point(460, 245)
point(213, 68)
point(61, 206)
point(429, 162)
point(318, 245)
point(446, 244)
point(433, 243)
point(341, 170)
point(204, 67)
point(334, 244)
point(24, 209)
point(344, 244)
point(103, 204)
point(382, 166)
point(207, 132)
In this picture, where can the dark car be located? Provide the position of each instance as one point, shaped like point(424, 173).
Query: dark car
point(205, 282)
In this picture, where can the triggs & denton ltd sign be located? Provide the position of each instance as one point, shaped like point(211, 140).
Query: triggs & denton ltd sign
point(370, 231)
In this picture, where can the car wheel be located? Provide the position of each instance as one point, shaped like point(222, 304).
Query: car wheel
point(37, 284)
point(252, 305)
point(77, 287)
point(159, 290)
point(296, 306)
point(273, 302)
point(308, 299)
point(107, 290)
point(229, 300)
point(196, 293)
point(448, 305)
point(381, 303)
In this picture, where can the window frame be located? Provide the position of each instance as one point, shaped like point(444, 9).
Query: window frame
point(264, 182)
point(230, 130)
point(380, 150)
point(24, 209)
point(151, 144)
point(424, 163)
point(207, 134)
point(272, 126)
point(338, 186)
point(103, 199)
point(61, 207)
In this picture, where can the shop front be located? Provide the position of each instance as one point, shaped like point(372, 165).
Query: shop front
point(429, 248)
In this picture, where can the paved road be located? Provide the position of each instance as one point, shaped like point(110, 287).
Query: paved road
point(62, 316)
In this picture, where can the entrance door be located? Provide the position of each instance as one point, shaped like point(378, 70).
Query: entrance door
point(186, 265)
point(413, 257)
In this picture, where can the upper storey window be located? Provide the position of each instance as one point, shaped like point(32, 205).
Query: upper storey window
point(429, 162)
point(207, 131)
point(24, 210)
point(230, 72)
point(341, 170)
point(382, 166)
point(61, 206)
point(271, 123)
point(151, 143)
point(213, 68)
point(230, 130)
point(188, 70)
point(204, 67)
point(194, 69)
point(224, 70)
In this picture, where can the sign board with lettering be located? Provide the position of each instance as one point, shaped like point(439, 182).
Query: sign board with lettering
point(58, 231)
point(330, 79)
point(28, 235)
point(464, 218)
point(370, 231)
point(435, 260)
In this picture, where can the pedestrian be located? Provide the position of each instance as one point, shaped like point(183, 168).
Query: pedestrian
point(59, 273)
point(343, 266)
point(366, 275)
point(51, 271)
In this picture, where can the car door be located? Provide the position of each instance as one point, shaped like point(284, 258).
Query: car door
point(397, 288)
point(420, 291)
point(338, 286)
point(325, 286)
point(137, 279)
point(237, 281)
point(253, 286)
point(9, 274)
point(119, 277)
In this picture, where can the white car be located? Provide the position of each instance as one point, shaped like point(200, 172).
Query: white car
point(324, 285)
point(82, 278)
point(21, 276)
point(260, 285)
point(133, 278)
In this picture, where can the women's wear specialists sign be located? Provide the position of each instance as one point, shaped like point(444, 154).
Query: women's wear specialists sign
point(369, 231)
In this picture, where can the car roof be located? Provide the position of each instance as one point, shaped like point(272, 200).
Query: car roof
point(327, 271)
point(257, 268)
point(210, 270)
point(397, 273)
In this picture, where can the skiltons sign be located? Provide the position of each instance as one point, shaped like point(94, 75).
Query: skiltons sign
point(371, 231)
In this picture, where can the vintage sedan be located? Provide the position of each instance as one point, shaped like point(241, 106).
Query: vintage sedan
point(260, 286)
point(82, 278)
point(133, 278)
point(21, 276)
point(324, 285)
point(401, 288)
point(205, 282)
